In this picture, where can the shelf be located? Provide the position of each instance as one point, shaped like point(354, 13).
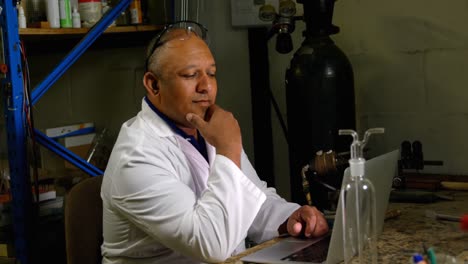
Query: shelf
point(82, 31)
point(47, 40)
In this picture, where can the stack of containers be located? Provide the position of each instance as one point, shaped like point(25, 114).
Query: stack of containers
point(90, 12)
point(65, 14)
point(60, 15)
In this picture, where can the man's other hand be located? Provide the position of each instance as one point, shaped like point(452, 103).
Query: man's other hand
point(307, 221)
point(221, 129)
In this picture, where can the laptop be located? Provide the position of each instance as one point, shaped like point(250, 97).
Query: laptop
point(329, 248)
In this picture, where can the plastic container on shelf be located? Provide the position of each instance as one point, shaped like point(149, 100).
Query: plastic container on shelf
point(136, 15)
point(65, 14)
point(21, 17)
point(35, 10)
point(123, 19)
point(53, 15)
point(76, 18)
point(105, 8)
point(90, 12)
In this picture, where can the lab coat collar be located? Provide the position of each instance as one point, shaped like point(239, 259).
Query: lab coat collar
point(160, 128)
point(155, 122)
point(199, 144)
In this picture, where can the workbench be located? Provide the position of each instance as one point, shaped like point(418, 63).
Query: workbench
point(405, 234)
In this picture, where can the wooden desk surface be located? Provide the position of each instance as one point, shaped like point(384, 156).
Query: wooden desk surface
point(404, 235)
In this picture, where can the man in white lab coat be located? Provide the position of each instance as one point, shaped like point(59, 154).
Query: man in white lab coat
point(178, 187)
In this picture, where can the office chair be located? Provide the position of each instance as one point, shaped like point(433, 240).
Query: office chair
point(83, 222)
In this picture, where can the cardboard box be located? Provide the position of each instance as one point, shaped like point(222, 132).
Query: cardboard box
point(7, 249)
point(80, 150)
point(80, 145)
point(72, 130)
point(79, 140)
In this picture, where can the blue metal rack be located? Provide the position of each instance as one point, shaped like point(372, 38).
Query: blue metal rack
point(14, 104)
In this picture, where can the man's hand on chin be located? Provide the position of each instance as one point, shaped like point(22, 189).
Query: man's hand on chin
point(221, 129)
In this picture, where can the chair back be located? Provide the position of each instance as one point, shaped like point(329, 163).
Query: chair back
point(83, 222)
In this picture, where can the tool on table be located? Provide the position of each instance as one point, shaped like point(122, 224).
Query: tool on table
point(463, 219)
point(431, 255)
point(436, 216)
point(418, 259)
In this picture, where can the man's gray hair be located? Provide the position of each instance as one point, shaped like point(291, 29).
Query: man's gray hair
point(154, 59)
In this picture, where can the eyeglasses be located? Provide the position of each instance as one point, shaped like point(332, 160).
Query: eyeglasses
point(189, 28)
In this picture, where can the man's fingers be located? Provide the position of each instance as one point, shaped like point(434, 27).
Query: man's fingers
point(210, 111)
point(308, 221)
point(294, 228)
point(297, 228)
point(311, 224)
point(195, 120)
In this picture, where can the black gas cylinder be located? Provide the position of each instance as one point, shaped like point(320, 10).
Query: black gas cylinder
point(320, 100)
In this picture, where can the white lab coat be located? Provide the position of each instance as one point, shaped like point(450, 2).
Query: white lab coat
point(163, 203)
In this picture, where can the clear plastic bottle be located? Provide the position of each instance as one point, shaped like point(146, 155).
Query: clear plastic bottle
point(359, 205)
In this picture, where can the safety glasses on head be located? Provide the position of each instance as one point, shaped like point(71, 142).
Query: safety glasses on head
point(179, 30)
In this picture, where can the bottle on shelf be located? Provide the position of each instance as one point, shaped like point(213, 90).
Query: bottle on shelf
point(65, 14)
point(90, 12)
point(21, 17)
point(53, 15)
point(105, 8)
point(136, 16)
point(76, 18)
point(359, 205)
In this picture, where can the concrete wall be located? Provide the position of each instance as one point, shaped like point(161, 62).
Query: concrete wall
point(410, 60)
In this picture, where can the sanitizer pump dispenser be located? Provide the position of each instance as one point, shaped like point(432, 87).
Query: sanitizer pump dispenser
point(359, 205)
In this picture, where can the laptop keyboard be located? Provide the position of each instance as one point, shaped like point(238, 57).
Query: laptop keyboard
point(313, 253)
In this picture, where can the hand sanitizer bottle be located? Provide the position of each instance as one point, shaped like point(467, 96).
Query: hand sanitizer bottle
point(359, 205)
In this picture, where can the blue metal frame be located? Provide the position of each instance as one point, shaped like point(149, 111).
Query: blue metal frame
point(71, 157)
point(13, 88)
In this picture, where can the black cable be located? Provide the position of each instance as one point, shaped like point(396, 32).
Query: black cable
point(30, 124)
point(278, 114)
